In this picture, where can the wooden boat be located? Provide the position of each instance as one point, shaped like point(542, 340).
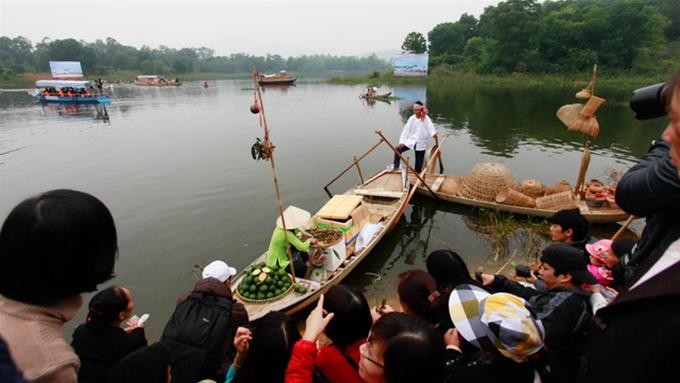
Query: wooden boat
point(67, 92)
point(445, 187)
point(280, 78)
point(377, 96)
point(385, 195)
point(156, 80)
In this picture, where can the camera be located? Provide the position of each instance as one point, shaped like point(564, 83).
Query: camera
point(650, 101)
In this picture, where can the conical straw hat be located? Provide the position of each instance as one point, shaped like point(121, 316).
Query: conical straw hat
point(295, 218)
point(569, 113)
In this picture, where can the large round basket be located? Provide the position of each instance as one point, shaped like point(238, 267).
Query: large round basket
point(485, 181)
point(532, 188)
point(266, 300)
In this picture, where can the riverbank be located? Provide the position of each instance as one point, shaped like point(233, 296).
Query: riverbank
point(438, 76)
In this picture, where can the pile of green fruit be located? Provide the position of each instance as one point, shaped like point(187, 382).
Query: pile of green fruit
point(263, 282)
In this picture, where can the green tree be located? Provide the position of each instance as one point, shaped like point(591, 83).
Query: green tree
point(414, 42)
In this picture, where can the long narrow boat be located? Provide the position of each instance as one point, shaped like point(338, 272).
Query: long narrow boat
point(280, 78)
point(444, 187)
point(385, 195)
point(67, 92)
point(377, 96)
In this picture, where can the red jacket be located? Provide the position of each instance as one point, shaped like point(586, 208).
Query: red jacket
point(334, 366)
point(301, 366)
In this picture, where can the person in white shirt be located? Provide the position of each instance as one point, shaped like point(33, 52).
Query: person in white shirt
point(415, 135)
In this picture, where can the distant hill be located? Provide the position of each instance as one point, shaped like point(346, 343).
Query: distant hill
point(385, 55)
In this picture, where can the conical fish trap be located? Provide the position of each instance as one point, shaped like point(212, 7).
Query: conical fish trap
point(558, 201)
point(586, 125)
point(513, 197)
point(532, 188)
point(569, 113)
point(485, 181)
point(560, 186)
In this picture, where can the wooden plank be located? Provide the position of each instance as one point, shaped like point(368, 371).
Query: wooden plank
point(339, 207)
point(378, 193)
point(437, 183)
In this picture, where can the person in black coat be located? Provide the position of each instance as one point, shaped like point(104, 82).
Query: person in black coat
point(100, 341)
point(636, 336)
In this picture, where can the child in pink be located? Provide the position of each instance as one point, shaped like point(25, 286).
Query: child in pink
point(602, 260)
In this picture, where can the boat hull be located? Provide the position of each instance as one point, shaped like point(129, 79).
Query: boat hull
point(593, 215)
point(385, 196)
point(287, 81)
point(72, 100)
point(377, 96)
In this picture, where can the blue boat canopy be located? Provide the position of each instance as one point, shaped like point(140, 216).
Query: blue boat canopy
point(63, 84)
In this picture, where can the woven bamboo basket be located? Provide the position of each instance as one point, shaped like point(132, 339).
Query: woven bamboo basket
point(485, 181)
point(592, 106)
point(557, 201)
point(569, 113)
point(532, 188)
point(560, 186)
point(266, 300)
point(513, 197)
point(586, 125)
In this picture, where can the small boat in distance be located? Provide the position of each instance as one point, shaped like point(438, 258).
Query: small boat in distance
point(376, 96)
point(67, 91)
point(156, 80)
point(280, 78)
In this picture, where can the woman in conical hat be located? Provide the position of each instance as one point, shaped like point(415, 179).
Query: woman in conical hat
point(296, 220)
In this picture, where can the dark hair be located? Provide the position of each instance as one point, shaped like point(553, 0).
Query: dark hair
point(448, 270)
point(56, 246)
point(418, 290)
point(572, 219)
point(146, 365)
point(105, 307)
point(352, 316)
point(412, 349)
point(270, 349)
point(622, 247)
point(419, 103)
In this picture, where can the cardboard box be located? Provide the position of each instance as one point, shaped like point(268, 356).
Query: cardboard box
point(335, 255)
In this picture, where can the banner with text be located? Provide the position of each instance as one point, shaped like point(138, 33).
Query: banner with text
point(62, 69)
point(410, 64)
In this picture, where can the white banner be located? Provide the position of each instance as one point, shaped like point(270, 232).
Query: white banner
point(62, 69)
point(410, 64)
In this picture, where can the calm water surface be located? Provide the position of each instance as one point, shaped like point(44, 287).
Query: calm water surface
point(174, 167)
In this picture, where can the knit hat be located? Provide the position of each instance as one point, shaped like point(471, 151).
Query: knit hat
point(218, 270)
point(497, 323)
point(567, 259)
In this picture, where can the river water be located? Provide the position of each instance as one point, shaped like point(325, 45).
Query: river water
point(174, 167)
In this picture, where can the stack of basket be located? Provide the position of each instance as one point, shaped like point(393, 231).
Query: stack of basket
point(485, 181)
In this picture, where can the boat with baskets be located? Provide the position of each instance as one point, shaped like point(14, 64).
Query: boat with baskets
point(509, 198)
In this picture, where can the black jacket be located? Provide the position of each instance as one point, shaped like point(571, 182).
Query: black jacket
point(649, 189)
point(566, 317)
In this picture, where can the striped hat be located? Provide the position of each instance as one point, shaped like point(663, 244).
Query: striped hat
point(495, 323)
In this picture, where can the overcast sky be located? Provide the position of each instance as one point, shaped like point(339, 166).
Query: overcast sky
point(257, 27)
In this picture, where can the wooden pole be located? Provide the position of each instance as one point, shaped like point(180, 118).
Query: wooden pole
point(361, 176)
point(585, 161)
point(623, 228)
point(352, 164)
point(276, 179)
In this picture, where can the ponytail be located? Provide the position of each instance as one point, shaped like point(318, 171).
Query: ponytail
point(418, 290)
point(105, 307)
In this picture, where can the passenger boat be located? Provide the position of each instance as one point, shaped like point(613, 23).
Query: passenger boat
point(280, 78)
point(376, 206)
point(376, 96)
point(156, 80)
point(448, 188)
point(63, 91)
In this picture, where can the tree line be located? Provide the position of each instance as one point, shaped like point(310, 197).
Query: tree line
point(525, 36)
point(19, 55)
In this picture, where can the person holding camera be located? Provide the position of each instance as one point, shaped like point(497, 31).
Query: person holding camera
point(638, 332)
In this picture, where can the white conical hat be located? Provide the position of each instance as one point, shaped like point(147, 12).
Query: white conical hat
point(295, 218)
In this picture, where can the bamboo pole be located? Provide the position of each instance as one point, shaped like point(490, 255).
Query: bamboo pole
point(352, 164)
point(361, 176)
point(623, 228)
point(585, 161)
point(263, 119)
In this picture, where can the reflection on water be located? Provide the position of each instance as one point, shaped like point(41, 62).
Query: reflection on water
point(173, 164)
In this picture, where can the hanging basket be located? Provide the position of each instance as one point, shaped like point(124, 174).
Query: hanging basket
point(513, 197)
point(485, 181)
point(569, 113)
point(592, 106)
point(586, 125)
point(558, 201)
point(532, 188)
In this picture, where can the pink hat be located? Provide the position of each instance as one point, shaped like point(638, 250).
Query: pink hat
point(601, 274)
point(600, 249)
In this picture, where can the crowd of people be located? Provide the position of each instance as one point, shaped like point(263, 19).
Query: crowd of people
point(593, 311)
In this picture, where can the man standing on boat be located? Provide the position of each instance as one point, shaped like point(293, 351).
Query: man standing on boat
point(415, 135)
